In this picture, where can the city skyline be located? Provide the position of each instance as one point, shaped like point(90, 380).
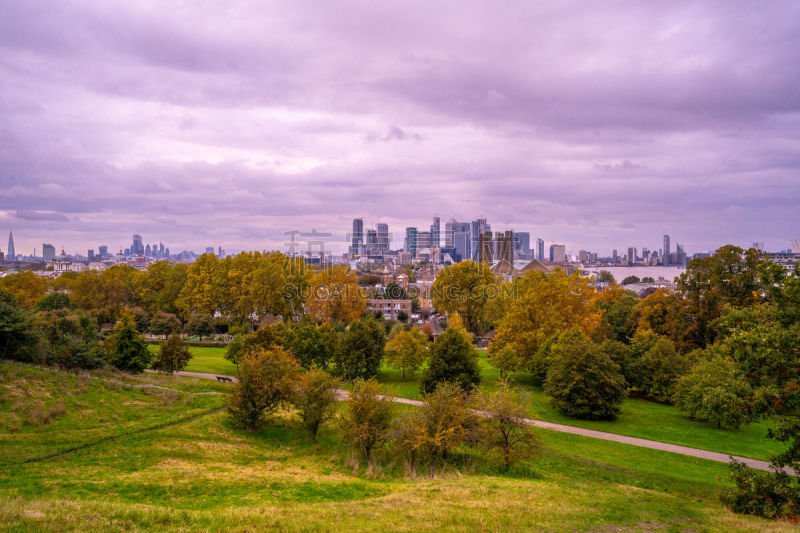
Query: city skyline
point(132, 121)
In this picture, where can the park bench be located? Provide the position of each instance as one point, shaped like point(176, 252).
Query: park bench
point(224, 378)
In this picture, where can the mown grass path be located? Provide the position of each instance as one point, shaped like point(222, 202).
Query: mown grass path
point(563, 428)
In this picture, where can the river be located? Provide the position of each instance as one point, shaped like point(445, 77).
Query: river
point(621, 272)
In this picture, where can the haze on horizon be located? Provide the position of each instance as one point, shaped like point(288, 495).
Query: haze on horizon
point(227, 124)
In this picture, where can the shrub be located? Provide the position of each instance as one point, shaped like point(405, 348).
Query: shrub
point(16, 337)
point(312, 345)
point(173, 356)
point(452, 360)
point(767, 494)
point(367, 417)
point(315, 399)
point(264, 338)
point(266, 382)
point(503, 430)
point(583, 382)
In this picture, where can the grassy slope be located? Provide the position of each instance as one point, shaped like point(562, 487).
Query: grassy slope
point(204, 474)
point(639, 418)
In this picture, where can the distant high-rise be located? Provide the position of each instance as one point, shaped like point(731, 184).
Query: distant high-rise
point(48, 252)
point(90, 255)
point(504, 246)
point(137, 248)
point(477, 227)
point(102, 250)
point(147, 250)
point(614, 256)
point(357, 243)
point(540, 249)
point(423, 240)
point(485, 247)
point(411, 241)
point(435, 233)
point(12, 254)
point(522, 244)
point(666, 252)
point(210, 250)
point(558, 253)
point(372, 242)
point(457, 237)
point(383, 238)
point(631, 255)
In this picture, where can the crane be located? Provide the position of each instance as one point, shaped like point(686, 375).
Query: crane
point(796, 245)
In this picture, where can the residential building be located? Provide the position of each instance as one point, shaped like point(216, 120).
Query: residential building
point(389, 308)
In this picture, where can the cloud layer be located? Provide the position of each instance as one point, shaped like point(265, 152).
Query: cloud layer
point(230, 123)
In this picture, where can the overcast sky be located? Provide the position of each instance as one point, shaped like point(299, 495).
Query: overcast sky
point(224, 123)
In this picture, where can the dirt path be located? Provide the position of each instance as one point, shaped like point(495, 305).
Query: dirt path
point(602, 435)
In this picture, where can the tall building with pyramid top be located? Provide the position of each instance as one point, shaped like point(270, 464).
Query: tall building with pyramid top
point(12, 254)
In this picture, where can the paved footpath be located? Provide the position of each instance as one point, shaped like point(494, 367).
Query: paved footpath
point(602, 435)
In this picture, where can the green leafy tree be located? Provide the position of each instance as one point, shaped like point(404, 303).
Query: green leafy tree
point(70, 339)
point(53, 302)
point(452, 360)
point(267, 381)
point(505, 359)
point(654, 373)
point(126, 349)
point(407, 350)
point(503, 429)
point(648, 279)
point(361, 349)
point(164, 324)
point(402, 316)
point(583, 382)
point(604, 276)
point(173, 356)
point(200, 325)
point(630, 279)
point(617, 309)
point(367, 417)
point(713, 391)
point(16, 335)
point(25, 286)
point(315, 399)
point(266, 337)
point(312, 344)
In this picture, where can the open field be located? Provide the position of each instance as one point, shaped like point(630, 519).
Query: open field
point(172, 461)
point(639, 418)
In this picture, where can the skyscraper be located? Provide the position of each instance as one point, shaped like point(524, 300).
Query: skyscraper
point(48, 252)
point(435, 233)
point(383, 238)
point(540, 249)
point(12, 254)
point(357, 246)
point(665, 253)
point(457, 237)
point(372, 242)
point(485, 247)
point(558, 253)
point(411, 241)
point(477, 227)
point(504, 246)
point(522, 244)
point(103, 250)
point(631, 255)
point(137, 248)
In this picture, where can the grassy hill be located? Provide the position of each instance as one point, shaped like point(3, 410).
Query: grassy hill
point(97, 456)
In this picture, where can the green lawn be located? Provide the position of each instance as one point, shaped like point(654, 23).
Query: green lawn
point(639, 418)
point(204, 474)
point(206, 359)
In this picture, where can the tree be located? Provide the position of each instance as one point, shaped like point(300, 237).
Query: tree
point(714, 391)
point(604, 276)
point(545, 306)
point(648, 279)
point(630, 279)
point(402, 316)
point(105, 294)
point(466, 288)
point(16, 335)
point(583, 382)
point(312, 344)
point(616, 307)
point(126, 349)
point(505, 359)
point(335, 296)
point(266, 381)
point(393, 291)
point(452, 360)
point(654, 373)
point(164, 324)
point(361, 350)
point(665, 313)
point(503, 430)
point(173, 356)
point(444, 421)
point(367, 417)
point(202, 293)
point(200, 325)
point(315, 399)
point(158, 288)
point(407, 350)
point(26, 287)
point(53, 302)
point(266, 337)
point(69, 339)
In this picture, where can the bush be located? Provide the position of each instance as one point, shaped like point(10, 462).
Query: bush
point(173, 356)
point(53, 302)
point(583, 382)
point(503, 431)
point(266, 382)
point(312, 345)
point(264, 338)
point(367, 417)
point(68, 339)
point(16, 336)
point(126, 349)
point(315, 399)
point(444, 421)
point(361, 349)
point(767, 494)
point(654, 374)
point(452, 360)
